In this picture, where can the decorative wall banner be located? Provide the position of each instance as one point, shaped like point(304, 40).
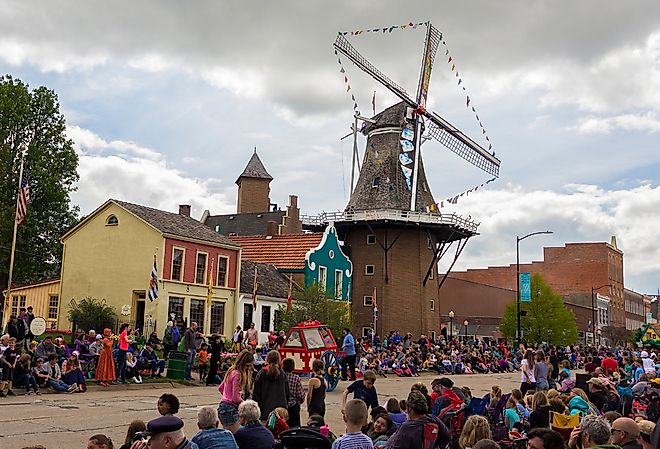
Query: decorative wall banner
point(407, 172)
point(407, 134)
point(405, 159)
point(525, 287)
point(406, 145)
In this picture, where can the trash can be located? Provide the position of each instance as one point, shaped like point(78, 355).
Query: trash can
point(176, 365)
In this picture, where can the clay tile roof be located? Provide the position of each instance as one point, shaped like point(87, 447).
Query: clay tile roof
point(255, 169)
point(283, 251)
point(270, 281)
point(175, 224)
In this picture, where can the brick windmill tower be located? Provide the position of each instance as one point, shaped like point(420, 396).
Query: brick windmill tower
point(391, 227)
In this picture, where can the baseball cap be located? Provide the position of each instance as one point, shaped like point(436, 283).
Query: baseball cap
point(595, 381)
point(446, 382)
point(163, 424)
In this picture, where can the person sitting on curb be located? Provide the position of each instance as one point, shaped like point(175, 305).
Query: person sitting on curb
point(148, 357)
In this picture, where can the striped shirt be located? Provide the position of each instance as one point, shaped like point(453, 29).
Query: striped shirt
point(353, 440)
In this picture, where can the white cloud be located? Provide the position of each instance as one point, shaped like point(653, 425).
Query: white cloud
point(126, 171)
point(648, 122)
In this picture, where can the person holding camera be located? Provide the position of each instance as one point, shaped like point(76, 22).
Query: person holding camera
point(594, 432)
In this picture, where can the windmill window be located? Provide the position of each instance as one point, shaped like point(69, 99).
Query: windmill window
point(375, 182)
point(112, 220)
point(369, 270)
point(433, 304)
point(371, 239)
point(429, 243)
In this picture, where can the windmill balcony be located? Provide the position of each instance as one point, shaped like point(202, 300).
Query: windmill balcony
point(391, 215)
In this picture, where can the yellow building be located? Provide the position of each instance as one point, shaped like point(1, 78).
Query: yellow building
point(110, 255)
point(43, 296)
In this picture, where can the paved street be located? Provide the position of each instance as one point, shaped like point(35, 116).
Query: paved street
point(67, 421)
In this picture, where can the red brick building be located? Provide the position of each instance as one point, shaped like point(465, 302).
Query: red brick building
point(572, 270)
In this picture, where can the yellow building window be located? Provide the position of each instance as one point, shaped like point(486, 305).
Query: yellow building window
point(17, 304)
point(53, 306)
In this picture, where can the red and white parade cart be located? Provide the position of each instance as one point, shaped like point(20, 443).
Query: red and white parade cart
point(311, 340)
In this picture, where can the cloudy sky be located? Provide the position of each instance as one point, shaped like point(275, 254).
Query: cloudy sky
point(166, 101)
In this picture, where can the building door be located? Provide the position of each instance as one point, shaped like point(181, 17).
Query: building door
point(247, 315)
point(139, 316)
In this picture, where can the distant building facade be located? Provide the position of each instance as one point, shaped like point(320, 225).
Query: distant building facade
point(572, 271)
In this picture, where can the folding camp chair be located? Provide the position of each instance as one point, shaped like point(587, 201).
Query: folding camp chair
point(564, 424)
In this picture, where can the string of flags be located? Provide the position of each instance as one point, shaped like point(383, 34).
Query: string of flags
point(468, 101)
point(454, 199)
point(411, 25)
point(342, 70)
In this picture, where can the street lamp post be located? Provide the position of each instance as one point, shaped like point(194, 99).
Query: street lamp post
point(451, 324)
point(518, 240)
point(593, 311)
point(465, 323)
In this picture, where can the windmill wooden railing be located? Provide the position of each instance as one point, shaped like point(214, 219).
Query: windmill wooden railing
point(389, 215)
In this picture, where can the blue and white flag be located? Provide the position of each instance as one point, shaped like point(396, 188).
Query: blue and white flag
point(153, 282)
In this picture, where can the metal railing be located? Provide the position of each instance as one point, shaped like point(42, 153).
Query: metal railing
point(390, 215)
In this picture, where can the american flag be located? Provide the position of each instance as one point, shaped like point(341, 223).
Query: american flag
point(153, 282)
point(23, 199)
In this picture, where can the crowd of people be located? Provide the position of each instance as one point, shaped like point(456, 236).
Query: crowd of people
point(261, 408)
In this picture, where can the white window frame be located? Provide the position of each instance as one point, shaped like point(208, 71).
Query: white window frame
point(206, 267)
point(339, 276)
point(371, 237)
point(375, 182)
point(368, 301)
point(110, 217)
point(432, 304)
point(367, 329)
point(56, 306)
point(217, 271)
point(366, 270)
point(183, 263)
point(323, 277)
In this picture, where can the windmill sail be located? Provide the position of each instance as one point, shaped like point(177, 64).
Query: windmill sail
point(433, 37)
point(447, 134)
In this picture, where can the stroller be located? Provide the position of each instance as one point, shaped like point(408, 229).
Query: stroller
point(302, 438)
point(495, 416)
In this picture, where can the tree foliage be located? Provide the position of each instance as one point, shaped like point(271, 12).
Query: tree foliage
point(91, 313)
point(617, 335)
point(312, 303)
point(33, 116)
point(547, 319)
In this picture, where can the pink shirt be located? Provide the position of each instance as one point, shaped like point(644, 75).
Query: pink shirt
point(231, 389)
point(123, 341)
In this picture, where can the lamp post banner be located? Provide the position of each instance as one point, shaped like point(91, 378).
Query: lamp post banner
point(525, 287)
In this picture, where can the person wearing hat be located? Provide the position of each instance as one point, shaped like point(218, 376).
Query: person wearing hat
point(449, 394)
point(597, 393)
point(165, 432)
point(645, 431)
point(413, 433)
point(647, 362)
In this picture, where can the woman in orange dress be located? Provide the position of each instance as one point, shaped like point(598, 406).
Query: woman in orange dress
point(105, 368)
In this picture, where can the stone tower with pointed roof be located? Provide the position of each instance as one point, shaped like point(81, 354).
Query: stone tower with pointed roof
point(253, 187)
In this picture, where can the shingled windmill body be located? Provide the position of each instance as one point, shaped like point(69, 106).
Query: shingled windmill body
point(391, 227)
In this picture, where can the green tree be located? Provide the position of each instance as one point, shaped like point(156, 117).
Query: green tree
point(546, 317)
point(91, 313)
point(312, 303)
point(33, 116)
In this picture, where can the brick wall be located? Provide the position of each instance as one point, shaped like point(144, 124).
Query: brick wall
point(573, 268)
point(403, 303)
point(253, 195)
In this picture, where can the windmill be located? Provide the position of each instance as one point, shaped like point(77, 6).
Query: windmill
point(391, 228)
point(437, 127)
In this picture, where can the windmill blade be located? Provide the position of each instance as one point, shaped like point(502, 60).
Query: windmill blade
point(452, 138)
point(342, 45)
point(433, 38)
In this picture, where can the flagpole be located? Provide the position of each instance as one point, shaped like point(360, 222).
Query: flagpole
point(13, 241)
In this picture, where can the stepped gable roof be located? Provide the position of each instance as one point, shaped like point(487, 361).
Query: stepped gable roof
point(175, 224)
point(283, 251)
point(270, 281)
point(255, 169)
point(244, 224)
